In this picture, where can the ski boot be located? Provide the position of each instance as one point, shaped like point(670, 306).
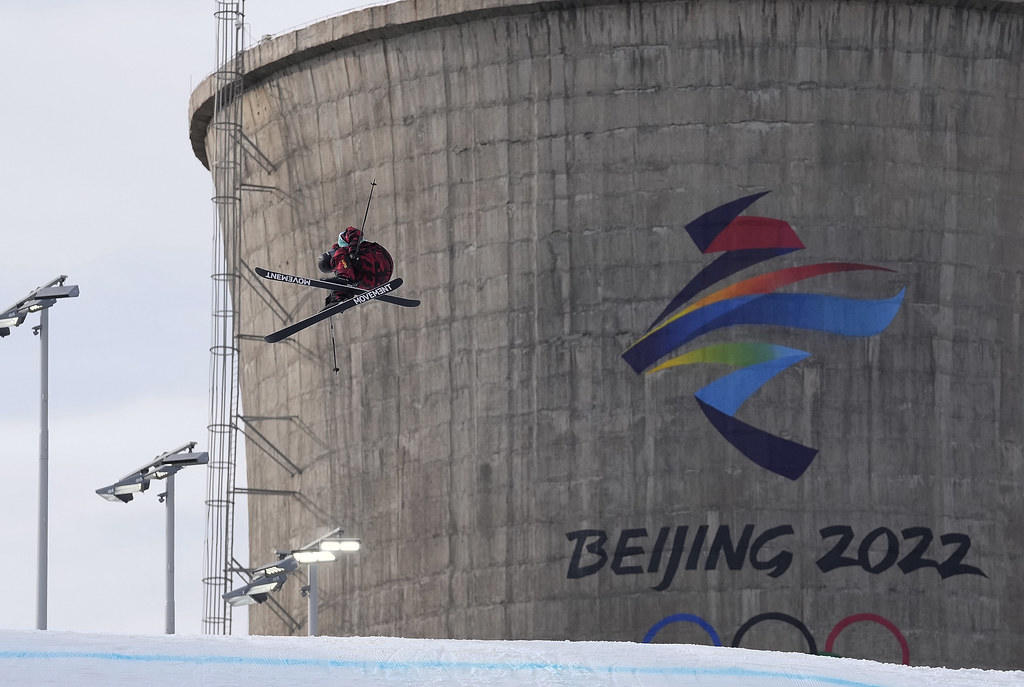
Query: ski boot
point(337, 296)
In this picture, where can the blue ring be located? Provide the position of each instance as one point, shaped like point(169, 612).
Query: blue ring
point(680, 618)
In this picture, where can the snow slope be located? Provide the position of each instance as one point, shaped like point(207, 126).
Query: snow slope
point(33, 658)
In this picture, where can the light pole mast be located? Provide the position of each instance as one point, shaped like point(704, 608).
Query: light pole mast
point(40, 301)
point(163, 467)
point(313, 629)
point(44, 468)
point(169, 495)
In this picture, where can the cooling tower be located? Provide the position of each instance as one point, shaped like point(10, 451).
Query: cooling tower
point(720, 338)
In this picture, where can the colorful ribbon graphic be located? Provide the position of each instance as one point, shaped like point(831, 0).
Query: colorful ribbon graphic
point(744, 242)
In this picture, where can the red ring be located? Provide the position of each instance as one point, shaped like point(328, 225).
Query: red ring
point(870, 617)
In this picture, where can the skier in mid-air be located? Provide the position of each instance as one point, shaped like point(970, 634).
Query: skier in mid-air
point(362, 273)
point(357, 262)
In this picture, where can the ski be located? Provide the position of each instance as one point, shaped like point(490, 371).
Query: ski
point(333, 286)
point(362, 297)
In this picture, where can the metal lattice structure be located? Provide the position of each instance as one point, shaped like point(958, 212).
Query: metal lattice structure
point(226, 166)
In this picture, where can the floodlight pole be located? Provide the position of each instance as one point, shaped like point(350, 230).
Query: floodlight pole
point(40, 301)
point(164, 468)
point(169, 621)
point(314, 617)
point(44, 468)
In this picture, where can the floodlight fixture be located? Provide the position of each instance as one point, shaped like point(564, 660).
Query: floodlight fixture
point(265, 579)
point(11, 319)
point(314, 556)
point(239, 597)
point(163, 467)
point(332, 541)
point(256, 591)
point(264, 585)
point(40, 298)
point(340, 545)
point(285, 565)
point(124, 490)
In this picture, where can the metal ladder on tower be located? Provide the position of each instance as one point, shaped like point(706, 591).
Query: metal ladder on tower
point(225, 138)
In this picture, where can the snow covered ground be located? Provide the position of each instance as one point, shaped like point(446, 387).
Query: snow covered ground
point(31, 658)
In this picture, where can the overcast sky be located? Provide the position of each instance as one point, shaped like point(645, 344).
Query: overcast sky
point(99, 183)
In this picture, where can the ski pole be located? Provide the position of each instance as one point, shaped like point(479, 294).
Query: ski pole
point(334, 348)
point(367, 213)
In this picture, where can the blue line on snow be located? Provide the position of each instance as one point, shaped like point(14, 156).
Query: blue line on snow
point(433, 665)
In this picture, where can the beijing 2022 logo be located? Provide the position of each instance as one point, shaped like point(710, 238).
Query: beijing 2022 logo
point(744, 242)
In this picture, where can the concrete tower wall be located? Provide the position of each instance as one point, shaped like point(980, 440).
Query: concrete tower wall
point(510, 475)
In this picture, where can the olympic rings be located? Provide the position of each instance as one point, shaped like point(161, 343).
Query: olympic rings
point(812, 646)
